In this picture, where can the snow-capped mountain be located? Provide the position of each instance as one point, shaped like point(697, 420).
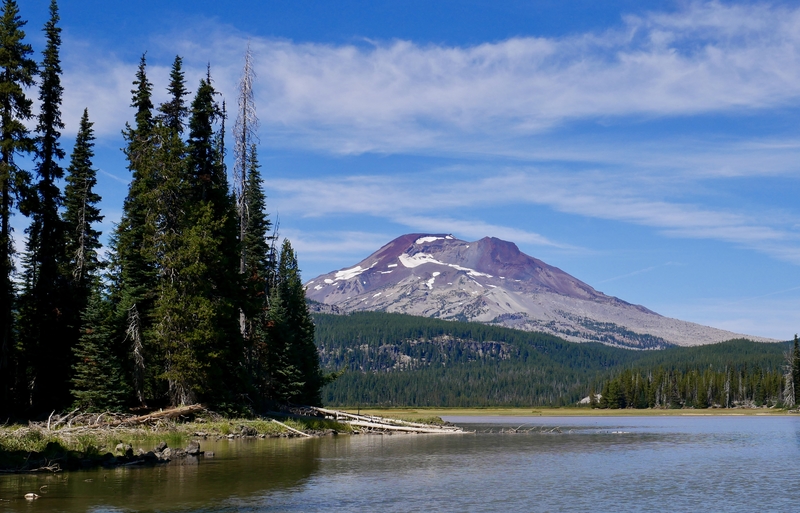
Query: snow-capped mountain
point(492, 281)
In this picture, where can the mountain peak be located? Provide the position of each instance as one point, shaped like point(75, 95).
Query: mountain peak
point(490, 280)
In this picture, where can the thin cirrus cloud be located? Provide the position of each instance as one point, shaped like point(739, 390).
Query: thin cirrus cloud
point(396, 96)
point(587, 194)
point(390, 96)
point(405, 97)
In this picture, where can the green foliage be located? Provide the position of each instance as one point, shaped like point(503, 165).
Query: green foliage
point(401, 360)
point(195, 306)
point(97, 379)
point(259, 259)
point(302, 351)
point(81, 215)
point(133, 270)
point(174, 111)
point(795, 369)
point(46, 308)
point(693, 388)
point(17, 71)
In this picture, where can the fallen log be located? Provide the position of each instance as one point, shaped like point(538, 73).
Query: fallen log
point(293, 430)
point(384, 423)
point(143, 419)
point(407, 429)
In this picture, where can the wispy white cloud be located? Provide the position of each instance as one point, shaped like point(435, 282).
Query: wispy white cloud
point(477, 229)
point(330, 247)
point(418, 200)
point(114, 177)
point(397, 95)
point(392, 96)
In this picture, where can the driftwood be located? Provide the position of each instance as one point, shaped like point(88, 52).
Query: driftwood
point(137, 421)
point(293, 430)
point(381, 423)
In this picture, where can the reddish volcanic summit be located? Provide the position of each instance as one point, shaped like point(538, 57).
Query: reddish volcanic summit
point(492, 281)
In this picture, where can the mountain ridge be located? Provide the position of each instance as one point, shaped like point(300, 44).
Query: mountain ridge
point(491, 281)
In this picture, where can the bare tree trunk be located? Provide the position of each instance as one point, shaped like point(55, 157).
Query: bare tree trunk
point(245, 133)
point(134, 334)
point(789, 398)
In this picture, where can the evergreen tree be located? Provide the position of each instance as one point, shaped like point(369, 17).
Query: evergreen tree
point(80, 216)
point(199, 283)
point(796, 367)
point(133, 268)
point(259, 311)
point(176, 308)
point(279, 379)
point(98, 382)
point(17, 70)
point(256, 245)
point(303, 352)
point(45, 303)
point(174, 112)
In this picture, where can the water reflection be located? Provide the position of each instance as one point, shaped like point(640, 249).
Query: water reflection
point(595, 464)
point(238, 469)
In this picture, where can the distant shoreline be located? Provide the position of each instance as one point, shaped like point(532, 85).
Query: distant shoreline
point(402, 412)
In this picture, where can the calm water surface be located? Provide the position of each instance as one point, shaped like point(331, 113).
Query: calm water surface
point(594, 464)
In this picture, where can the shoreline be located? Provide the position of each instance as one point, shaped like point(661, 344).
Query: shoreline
point(160, 437)
point(422, 412)
point(36, 448)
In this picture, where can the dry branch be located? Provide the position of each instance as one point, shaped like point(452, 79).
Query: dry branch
point(143, 419)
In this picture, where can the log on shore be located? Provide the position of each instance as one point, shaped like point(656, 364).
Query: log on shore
point(143, 419)
point(384, 423)
point(291, 429)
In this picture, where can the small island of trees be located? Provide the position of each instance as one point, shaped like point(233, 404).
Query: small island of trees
point(195, 300)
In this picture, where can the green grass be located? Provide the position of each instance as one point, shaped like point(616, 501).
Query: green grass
point(22, 438)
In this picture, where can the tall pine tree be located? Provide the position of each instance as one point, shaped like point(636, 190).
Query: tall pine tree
point(133, 268)
point(17, 71)
point(174, 111)
point(302, 352)
point(256, 246)
point(44, 302)
point(81, 215)
point(199, 286)
point(795, 366)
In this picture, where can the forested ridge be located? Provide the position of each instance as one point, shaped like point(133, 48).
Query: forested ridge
point(196, 300)
point(396, 359)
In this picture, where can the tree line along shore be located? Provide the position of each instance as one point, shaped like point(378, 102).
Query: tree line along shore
point(197, 300)
point(396, 361)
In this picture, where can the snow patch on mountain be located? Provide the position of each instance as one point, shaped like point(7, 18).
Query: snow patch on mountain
point(412, 261)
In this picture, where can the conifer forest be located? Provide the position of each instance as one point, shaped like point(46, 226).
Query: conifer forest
point(196, 299)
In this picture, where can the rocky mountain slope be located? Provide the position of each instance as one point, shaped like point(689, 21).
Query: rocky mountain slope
point(492, 281)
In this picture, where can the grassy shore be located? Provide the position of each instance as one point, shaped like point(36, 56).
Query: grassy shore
point(428, 413)
point(18, 440)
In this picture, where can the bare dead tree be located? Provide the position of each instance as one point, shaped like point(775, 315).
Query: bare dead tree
point(133, 332)
point(727, 388)
point(80, 252)
point(789, 397)
point(245, 133)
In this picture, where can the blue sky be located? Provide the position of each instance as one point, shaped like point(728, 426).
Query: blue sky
point(652, 152)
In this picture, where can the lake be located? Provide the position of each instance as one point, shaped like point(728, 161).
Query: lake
point(588, 464)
